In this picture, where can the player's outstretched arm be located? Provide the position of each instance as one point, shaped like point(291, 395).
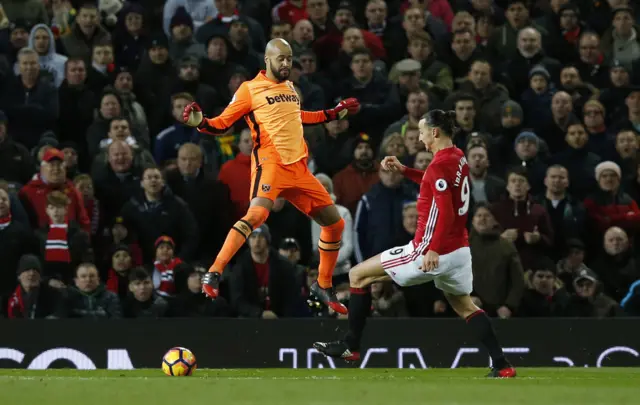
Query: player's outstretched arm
point(239, 106)
point(393, 164)
point(346, 107)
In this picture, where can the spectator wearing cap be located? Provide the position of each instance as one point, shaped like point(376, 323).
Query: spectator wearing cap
point(15, 161)
point(594, 115)
point(572, 263)
point(489, 95)
point(529, 53)
point(152, 85)
point(357, 178)
point(378, 218)
point(88, 298)
point(346, 248)
point(544, 296)
point(26, 96)
point(616, 265)
point(417, 104)
point(241, 52)
point(503, 44)
point(119, 234)
point(523, 221)
point(537, 98)
point(70, 151)
point(236, 174)
point(155, 211)
point(485, 187)
point(435, 73)
point(143, 302)
point(227, 13)
point(302, 37)
point(85, 33)
point(498, 278)
point(30, 10)
point(182, 39)
point(190, 301)
point(33, 298)
point(120, 264)
point(164, 268)
point(52, 176)
point(566, 212)
point(16, 239)
point(198, 11)
point(124, 85)
point(621, 42)
point(609, 205)
point(379, 99)
point(207, 198)
point(527, 148)
point(190, 81)
point(263, 284)
point(579, 162)
point(591, 64)
point(42, 40)
point(130, 38)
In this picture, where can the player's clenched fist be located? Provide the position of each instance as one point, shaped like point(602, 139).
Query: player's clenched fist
point(392, 164)
point(192, 115)
point(344, 108)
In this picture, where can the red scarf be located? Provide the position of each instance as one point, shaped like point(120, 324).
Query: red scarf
point(229, 19)
point(5, 221)
point(57, 245)
point(113, 281)
point(16, 305)
point(572, 36)
point(163, 277)
point(93, 210)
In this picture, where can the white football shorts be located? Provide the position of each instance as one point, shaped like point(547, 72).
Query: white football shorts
point(453, 275)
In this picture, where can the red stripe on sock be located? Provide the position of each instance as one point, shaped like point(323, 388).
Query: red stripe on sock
point(354, 290)
point(478, 312)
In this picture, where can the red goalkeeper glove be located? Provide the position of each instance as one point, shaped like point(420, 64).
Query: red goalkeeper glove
point(192, 115)
point(344, 108)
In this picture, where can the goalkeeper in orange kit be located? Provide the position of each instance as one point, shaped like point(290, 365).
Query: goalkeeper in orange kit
point(271, 108)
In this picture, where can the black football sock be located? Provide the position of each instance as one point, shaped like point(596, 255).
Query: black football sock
point(480, 326)
point(359, 310)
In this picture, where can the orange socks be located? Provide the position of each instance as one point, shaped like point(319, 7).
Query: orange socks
point(329, 248)
point(238, 236)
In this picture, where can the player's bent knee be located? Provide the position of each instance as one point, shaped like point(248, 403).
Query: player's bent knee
point(356, 278)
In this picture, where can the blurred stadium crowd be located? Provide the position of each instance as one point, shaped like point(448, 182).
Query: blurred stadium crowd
point(110, 208)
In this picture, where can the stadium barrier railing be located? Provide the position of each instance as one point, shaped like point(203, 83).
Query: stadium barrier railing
point(287, 343)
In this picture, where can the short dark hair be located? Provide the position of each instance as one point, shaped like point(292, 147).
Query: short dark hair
point(138, 274)
point(118, 118)
point(463, 96)
point(58, 199)
point(518, 171)
point(444, 120)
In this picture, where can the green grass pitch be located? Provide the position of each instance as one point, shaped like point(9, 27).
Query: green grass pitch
point(565, 386)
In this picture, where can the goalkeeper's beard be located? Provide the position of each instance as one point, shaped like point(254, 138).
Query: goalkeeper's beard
point(277, 74)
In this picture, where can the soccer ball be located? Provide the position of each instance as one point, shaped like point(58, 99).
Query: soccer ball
point(179, 362)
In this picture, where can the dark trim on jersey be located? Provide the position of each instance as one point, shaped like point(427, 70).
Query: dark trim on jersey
point(256, 128)
point(212, 130)
point(256, 182)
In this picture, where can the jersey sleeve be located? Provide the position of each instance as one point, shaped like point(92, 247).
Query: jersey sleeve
point(313, 117)
point(441, 189)
point(414, 175)
point(239, 106)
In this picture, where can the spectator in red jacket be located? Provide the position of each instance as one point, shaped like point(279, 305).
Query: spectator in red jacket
point(52, 176)
point(610, 206)
point(236, 174)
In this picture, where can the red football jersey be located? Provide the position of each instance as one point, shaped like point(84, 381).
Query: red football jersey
point(443, 203)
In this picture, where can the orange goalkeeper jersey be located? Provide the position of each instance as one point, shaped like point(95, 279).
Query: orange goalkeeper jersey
point(272, 111)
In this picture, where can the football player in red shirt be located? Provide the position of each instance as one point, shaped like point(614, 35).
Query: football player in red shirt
point(439, 251)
